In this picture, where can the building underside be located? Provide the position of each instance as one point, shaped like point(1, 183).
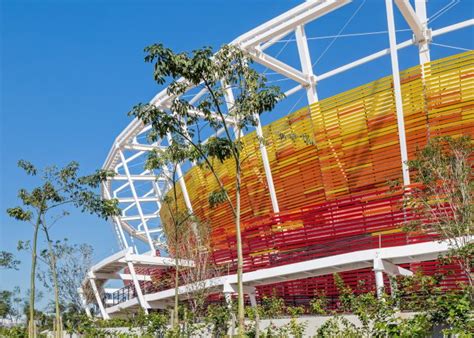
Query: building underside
point(312, 205)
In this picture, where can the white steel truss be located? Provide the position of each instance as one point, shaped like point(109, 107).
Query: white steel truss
point(140, 191)
point(255, 42)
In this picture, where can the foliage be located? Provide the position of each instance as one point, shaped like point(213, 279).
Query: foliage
point(318, 304)
point(272, 307)
point(62, 186)
point(218, 316)
point(337, 327)
point(295, 311)
point(443, 194)
point(5, 303)
point(13, 332)
point(156, 324)
point(451, 310)
point(296, 329)
point(8, 261)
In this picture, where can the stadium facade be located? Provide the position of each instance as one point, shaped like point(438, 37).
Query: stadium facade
point(311, 205)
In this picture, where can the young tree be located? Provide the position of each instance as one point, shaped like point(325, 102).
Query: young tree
point(187, 238)
point(234, 96)
point(443, 195)
point(203, 269)
point(44, 205)
point(181, 221)
point(72, 263)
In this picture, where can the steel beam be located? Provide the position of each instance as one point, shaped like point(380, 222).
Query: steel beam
point(278, 66)
point(397, 92)
point(140, 199)
point(306, 65)
point(308, 11)
point(266, 166)
point(121, 276)
point(411, 18)
point(182, 183)
point(116, 219)
point(144, 304)
point(139, 207)
point(143, 147)
point(141, 217)
point(143, 177)
point(98, 299)
point(82, 297)
point(363, 60)
point(390, 268)
point(423, 45)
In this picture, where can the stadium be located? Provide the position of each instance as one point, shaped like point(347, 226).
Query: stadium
point(311, 206)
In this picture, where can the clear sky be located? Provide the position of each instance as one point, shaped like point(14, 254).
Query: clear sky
point(71, 69)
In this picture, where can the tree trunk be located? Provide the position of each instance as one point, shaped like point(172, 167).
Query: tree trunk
point(176, 296)
point(240, 259)
point(31, 323)
point(58, 322)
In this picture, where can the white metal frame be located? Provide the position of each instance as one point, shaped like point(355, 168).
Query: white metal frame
point(383, 261)
point(127, 152)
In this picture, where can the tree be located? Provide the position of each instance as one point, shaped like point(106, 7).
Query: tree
point(72, 263)
point(187, 237)
point(234, 96)
point(443, 193)
point(44, 205)
point(181, 221)
point(8, 261)
point(202, 271)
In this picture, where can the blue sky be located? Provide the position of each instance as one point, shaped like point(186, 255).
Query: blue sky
point(70, 71)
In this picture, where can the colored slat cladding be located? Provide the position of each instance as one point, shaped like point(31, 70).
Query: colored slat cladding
point(332, 182)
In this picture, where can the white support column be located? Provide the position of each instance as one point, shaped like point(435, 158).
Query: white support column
point(139, 207)
point(383, 266)
point(266, 166)
point(423, 46)
point(253, 299)
point(141, 299)
point(104, 313)
point(397, 92)
point(80, 291)
point(378, 270)
point(306, 65)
